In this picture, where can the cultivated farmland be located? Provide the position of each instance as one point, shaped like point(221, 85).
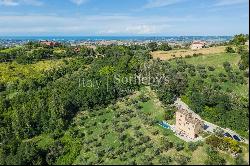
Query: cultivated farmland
point(166, 55)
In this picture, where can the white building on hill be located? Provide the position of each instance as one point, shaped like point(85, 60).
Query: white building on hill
point(197, 45)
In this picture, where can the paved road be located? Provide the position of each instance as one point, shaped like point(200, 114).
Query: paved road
point(212, 127)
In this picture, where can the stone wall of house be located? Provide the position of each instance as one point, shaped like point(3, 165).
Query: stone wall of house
point(190, 129)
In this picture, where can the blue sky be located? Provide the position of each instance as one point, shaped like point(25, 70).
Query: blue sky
point(123, 17)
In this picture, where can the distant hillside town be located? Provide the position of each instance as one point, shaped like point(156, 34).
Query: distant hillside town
point(180, 42)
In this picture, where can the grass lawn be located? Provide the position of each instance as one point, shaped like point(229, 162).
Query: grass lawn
point(215, 60)
point(154, 110)
point(153, 107)
point(198, 156)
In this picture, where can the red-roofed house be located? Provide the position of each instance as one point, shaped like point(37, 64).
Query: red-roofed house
point(49, 43)
point(77, 49)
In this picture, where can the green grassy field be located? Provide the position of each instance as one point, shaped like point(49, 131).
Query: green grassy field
point(156, 111)
point(166, 55)
point(215, 60)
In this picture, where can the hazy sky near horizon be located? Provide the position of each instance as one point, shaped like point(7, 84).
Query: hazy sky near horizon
point(123, 17)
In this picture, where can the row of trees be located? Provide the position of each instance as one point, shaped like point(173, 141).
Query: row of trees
point(34, 51)
point(240, 39)
point(25, 55)
point(154, 46)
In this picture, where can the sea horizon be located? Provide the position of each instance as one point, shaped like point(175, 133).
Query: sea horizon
point(127, 37)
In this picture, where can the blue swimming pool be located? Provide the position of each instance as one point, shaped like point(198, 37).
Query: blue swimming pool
point(164, 125)
point(227, 135)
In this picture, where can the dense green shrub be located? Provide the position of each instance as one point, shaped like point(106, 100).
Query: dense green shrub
point(229, 50)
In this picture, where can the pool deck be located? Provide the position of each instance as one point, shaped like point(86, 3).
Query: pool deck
point(183, 137)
